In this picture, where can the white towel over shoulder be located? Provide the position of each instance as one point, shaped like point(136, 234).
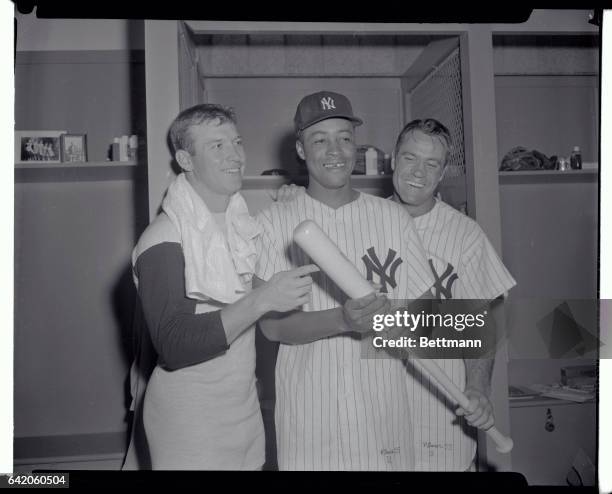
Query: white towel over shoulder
point(212, 271)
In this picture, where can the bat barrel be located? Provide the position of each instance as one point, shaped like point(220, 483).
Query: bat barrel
point(309, 236)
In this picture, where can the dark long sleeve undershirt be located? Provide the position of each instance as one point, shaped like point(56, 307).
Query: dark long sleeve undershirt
point(180, 336)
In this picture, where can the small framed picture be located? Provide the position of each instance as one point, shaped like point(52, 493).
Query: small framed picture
point(38, 146)
point(74, 147)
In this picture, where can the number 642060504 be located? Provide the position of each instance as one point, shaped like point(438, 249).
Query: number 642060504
point(24, 480)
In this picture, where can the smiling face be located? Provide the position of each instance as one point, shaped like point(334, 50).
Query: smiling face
point(328, 147)
point(216, 162)
point(419, 167)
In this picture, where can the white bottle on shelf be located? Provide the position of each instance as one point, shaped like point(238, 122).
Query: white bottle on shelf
point(371, 162)
point(123, 148)
point(133, 148)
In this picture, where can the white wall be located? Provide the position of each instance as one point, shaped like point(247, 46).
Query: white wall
point(78, 34)
point(266, 106)
point(71, 352)
point(550, 114)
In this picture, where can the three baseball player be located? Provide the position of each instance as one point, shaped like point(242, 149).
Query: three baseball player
point(336, 410)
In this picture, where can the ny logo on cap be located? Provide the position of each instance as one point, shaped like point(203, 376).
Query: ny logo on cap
point(328, 103)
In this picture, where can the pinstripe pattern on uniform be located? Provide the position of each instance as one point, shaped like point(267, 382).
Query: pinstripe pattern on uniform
point(443, 441)
point(335, 410)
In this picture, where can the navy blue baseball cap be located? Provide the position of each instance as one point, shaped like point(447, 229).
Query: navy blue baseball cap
point(321, 106)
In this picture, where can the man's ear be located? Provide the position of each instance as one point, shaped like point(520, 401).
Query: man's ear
point(183, 158)
point(393, 162)
point(300, 149)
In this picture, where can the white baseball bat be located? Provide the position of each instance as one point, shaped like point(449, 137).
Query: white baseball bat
point(309, 236)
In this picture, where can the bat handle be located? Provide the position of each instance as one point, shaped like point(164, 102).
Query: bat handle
point(503, 444)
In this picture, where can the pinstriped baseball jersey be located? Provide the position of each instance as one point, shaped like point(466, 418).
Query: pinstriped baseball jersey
point(465, 266)
point(335, 410)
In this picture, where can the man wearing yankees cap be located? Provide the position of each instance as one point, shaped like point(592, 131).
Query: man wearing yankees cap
point(334, 409)
point(465, 266)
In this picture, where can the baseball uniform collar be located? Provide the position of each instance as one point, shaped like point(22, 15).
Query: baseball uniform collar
point(331, 210)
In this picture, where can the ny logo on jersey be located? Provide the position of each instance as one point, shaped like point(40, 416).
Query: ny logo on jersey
point(439, 288)
point(328, 103)
point(373, 265)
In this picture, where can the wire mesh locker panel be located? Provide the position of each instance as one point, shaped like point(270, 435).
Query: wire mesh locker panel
point(438, 95)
